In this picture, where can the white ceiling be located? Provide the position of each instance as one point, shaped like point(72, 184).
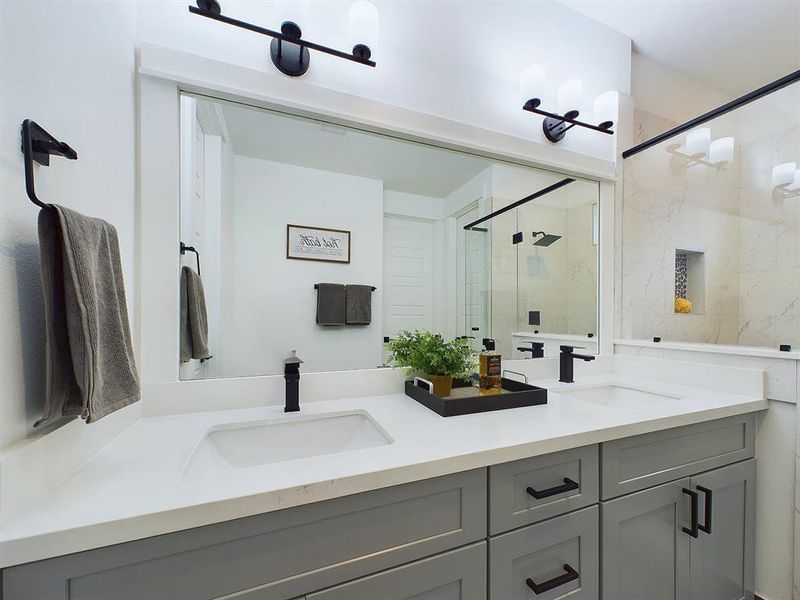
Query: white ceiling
point(402, 166)
point(733, 45)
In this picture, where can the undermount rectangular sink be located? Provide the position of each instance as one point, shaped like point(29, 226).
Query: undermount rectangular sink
point(292, 437)
point(621, 397)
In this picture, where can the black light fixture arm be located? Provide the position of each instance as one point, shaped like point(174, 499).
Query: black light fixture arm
point(291, 34)
point(38, 145)
point(532, 105)
point(554, 125)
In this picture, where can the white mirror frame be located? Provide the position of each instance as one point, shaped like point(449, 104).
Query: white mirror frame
point(165, 73)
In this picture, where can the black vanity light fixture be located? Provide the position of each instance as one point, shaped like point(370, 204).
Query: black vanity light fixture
point(289, 51)
point(570, 96)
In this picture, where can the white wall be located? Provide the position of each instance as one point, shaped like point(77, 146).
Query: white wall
point(69, 66)
point(275, 301)
point(670, 94)
point(430, 55)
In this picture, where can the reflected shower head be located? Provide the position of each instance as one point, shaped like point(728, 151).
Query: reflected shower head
point(546, 238)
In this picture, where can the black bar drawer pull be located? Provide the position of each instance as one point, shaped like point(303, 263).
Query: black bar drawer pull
point(538, 588)
point(567, 486)
point(694, 528)
point(706, 526)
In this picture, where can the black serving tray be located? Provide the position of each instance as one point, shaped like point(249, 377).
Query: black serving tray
point(465, 400)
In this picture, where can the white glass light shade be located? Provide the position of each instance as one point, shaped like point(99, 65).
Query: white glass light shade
point(570, 95)
point(363, 24)
point(783, 174)
point(698, 142)
point(606, 107)
point(721, 151)
point(532, 82)
point(795, 184)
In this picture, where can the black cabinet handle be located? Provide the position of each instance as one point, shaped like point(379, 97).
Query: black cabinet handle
point(706, 526)
point(693, 530)
point(538, 588)
point(567, 486)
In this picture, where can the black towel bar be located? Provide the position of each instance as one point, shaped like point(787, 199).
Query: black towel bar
point(38, 145)
point(316, 287)
point(185, 249)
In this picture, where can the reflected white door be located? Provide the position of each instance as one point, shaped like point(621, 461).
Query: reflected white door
point(407, 275)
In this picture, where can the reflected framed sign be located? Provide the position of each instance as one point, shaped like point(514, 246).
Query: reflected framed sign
point(317, 243)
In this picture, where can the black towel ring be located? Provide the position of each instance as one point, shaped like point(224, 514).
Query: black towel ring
point(185, 249)
point(38, 145)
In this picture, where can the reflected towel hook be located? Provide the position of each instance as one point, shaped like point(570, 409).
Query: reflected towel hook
point(185, 249)
point(38, 145)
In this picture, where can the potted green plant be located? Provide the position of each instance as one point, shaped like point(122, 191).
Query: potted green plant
point(429, 355)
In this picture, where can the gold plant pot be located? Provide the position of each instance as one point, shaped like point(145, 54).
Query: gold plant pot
point(442, 384)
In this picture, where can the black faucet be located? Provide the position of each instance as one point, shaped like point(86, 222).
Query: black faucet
point(566, 372)
point(536, 349)
point(291, 373)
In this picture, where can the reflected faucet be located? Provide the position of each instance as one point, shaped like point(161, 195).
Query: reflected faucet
point(536, 349)
point(291, 373)
point(566, 366)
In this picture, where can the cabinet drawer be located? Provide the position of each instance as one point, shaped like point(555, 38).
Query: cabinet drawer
point(455, 575)
point(273, 556)
point(560, 557)
point(512, 505)
point(635, 463)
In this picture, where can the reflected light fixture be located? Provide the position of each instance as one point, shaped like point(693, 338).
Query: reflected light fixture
point(721, 151)
point(794, 186)
point(289, 51)
point(569, 100)
point(783, 174)
point(698, 142)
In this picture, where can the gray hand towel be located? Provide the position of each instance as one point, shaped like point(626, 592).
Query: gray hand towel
point(330, 304)
point(194, 318)
point(359, 304)
point(91, 370)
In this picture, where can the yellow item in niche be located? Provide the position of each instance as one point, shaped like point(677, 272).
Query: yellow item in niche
point(682, 305)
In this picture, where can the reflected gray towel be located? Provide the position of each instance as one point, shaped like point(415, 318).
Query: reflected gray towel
point(194, 318)
point(359, 304)
point(90, 364)
point(330, 304)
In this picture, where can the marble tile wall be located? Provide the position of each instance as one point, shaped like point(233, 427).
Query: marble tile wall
point(769, 259)
point(581, 272)
point(673, 203)
point(748, 232)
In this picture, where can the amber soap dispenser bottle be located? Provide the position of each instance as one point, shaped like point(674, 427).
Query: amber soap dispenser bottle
point(489, 366)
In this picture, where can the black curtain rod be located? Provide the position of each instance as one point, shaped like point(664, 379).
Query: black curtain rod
point(717, 112)
point(533, 196)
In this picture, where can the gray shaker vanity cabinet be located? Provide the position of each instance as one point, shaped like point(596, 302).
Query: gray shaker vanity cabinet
point(722, 561)
point(642, 461)
point(558, 558)
point(645, 553)
point(272, 556)
point(455, 575)
point(649, 551)
point(533, 489)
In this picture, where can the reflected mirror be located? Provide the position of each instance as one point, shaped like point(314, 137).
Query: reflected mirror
point(298, 234)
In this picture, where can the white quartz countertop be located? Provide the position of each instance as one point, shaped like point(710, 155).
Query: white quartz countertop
point(138, 485)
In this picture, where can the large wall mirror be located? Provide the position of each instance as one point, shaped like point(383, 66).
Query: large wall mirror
point(275, 207)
